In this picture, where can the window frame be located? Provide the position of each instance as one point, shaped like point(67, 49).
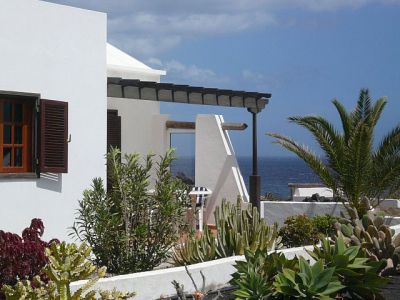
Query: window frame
point(31, 142)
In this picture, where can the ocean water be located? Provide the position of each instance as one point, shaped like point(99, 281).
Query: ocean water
point(275, 172)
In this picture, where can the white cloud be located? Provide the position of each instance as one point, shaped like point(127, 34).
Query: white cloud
point(151, 27)
point(189, 74)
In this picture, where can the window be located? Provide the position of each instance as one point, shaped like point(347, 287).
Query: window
point(33, 134)
point(16, 127)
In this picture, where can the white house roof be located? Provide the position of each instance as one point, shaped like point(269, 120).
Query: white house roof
point(121, 62)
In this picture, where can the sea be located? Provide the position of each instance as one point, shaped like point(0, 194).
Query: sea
point(275, 172)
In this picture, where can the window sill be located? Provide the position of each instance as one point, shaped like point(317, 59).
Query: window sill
point(18, 176)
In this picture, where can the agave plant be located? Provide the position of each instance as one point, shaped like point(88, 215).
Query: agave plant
point(352, 167)
point(254, 276)
point(353, 268)
point(311, 282)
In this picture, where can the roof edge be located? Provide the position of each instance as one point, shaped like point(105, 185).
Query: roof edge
point(136, 70)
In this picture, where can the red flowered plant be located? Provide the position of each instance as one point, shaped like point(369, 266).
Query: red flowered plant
point(22, 257)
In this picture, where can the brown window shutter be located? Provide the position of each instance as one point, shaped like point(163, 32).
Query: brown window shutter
point(113, 129)
point(53, 136)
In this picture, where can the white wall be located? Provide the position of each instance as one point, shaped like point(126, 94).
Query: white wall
point(152, 284)
point(136, 115)
point(216, 164)
point(59, 52)
point(300, 193)
point(279, 211)
point(136, 123)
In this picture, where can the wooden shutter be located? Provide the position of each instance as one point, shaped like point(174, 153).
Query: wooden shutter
point(53, 136)
point(113, 136)
point(113, 129)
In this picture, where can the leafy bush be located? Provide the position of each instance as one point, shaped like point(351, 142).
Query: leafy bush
point(67, 263)
point(128, 228)
point(237, 231)
point(325, 224)
point(301, 230)
point(22, 256)
point(298, 231)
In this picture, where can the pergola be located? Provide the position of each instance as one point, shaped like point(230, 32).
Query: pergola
point(168, 92)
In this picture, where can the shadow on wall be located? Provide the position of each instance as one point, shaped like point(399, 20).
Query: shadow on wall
point(50, 181)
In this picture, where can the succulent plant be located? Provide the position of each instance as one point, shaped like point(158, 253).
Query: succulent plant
point(237, 231)
point(354, 270)
point(372, 235)
point(67, 263)
point(240, 230)
point(311, 282)
point(254, 276)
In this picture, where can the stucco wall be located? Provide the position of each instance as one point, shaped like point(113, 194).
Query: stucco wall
point(136, 123)
point(60, 53)
point(278, 211)
point(152, 284)
point(216, 164)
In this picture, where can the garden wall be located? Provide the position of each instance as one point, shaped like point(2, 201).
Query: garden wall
point(152, 284)
point(278, 211)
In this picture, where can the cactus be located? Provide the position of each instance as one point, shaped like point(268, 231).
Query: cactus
point(372, 235)
point(240, 230)
point(237, 231)
point(67, 263)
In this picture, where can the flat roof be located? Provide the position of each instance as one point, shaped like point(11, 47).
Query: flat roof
point(170, 92)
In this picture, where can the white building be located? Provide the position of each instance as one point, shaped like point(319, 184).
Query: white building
point(51, 150)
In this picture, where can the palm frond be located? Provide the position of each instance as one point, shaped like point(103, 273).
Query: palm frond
point(357, 162)
point(326, 135)
point(389, 146)
point(345, 119)
point(315, 163)
point(363, 108)
point(377, 110)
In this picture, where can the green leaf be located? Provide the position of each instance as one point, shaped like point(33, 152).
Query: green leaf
point(351, 252)
point(290, 275)
point(323, 279)
point(333, 288)
point(341, 260)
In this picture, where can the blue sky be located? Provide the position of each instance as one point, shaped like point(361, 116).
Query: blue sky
point(304, 52)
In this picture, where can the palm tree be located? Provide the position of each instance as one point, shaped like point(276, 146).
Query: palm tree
point(352, 167)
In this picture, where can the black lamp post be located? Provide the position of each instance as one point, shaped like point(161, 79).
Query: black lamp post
point(255, 179)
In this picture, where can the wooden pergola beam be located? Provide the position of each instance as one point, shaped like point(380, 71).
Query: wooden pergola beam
point(192, 125)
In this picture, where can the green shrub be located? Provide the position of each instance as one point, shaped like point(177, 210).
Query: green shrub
point(325, 224)
point(67, 263)
point(128, 228)
point(298, 231)
point(237, 231)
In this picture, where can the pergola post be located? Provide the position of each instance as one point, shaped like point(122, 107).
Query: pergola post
point(255, 179)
